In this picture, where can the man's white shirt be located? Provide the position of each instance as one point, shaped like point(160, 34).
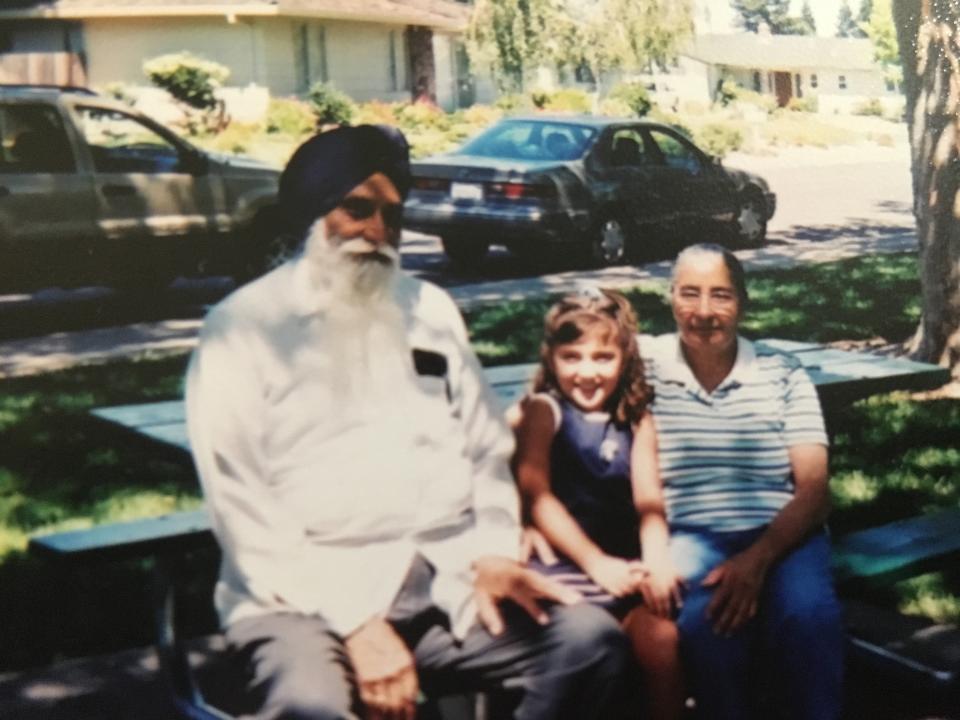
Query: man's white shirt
point(320, 488)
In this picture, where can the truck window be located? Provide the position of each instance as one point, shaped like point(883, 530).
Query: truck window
point(120, 143)
point(33, 140)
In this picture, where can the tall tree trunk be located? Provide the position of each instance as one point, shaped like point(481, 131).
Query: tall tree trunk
point(928, 32)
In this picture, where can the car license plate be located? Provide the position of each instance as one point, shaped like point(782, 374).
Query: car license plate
point(466, 191)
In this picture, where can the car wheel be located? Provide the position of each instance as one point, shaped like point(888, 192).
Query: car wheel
point(608, 244)
point(464, 251)
point(751, 221)
point(266, 246)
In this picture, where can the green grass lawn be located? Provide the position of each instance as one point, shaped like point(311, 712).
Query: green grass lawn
point(59, 468)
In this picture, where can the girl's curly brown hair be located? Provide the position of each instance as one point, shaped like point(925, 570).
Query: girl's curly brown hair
point(572, 317)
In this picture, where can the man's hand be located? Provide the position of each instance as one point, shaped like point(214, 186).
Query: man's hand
point(533, 543)
point(499, 578)
point(738, 583)
point(386, 674)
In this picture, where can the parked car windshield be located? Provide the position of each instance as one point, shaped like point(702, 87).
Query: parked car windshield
point(531, 140)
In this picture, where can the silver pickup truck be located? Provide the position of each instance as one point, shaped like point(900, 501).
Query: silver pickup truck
point(92, 191)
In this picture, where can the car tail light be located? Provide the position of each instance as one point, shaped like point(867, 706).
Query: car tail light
point(425, 183)
point(517, 191)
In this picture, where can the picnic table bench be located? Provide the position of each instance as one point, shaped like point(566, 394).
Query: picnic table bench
point(876, 555)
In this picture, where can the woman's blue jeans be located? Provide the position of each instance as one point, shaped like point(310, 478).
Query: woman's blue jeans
point(796, 640)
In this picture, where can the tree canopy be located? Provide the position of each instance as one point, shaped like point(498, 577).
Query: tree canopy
point(518, 35)
point(847, 26)
point(775, 14)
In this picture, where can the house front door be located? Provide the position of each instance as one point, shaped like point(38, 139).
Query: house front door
point(783, 86)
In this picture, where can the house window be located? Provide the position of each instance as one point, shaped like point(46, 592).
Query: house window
point(813, 80)
point(757, 82)
point(842, 82)
point(891, 85)
point(770, 82)
point(799, 85)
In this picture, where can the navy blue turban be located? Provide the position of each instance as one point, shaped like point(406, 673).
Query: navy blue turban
point(328, 166)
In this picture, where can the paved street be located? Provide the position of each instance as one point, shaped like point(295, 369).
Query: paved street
point(832, 204)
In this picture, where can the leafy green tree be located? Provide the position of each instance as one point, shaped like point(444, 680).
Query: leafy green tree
point(863, 15)
point(602, 35)
point(847, 27)
point(807, 20)
point(927, 32)
point(881, 31)
point(512, 36)
point(775, 15)
point(606, 35)
point(751, 13)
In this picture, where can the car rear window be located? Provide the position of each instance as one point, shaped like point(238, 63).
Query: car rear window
point(531, 140)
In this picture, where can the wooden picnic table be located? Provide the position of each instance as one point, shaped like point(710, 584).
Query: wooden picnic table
point(840, 376)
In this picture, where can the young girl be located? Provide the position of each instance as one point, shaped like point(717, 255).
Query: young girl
point(584, 433)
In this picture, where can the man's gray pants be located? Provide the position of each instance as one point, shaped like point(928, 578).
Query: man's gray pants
point(575, 668)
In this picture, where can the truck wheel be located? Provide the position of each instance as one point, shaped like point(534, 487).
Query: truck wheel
point(464, 252)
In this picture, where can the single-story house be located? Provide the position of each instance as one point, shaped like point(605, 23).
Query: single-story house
point(374, 49)
point(839, 72)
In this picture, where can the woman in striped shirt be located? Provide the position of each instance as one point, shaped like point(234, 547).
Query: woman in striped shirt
point(742, 476)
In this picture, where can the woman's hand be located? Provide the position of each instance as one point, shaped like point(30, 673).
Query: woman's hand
point(738, 582)
point(661, 590)
point(615, 575)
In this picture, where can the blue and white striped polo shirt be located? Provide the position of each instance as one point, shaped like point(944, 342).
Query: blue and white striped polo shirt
point(724, 460)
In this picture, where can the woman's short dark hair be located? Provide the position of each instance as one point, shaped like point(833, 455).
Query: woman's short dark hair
point(737, 275)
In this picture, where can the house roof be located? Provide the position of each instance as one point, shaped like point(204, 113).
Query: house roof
point(437, 14)
point(782, 52)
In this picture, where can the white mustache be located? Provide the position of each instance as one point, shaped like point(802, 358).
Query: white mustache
point(359, 246)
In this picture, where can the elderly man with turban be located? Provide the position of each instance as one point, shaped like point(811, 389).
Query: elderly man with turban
point(355, 466)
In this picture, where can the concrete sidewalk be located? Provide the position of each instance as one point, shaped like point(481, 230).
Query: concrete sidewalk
point(171, 337)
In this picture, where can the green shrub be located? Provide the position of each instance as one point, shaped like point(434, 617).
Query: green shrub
point(719, 138)
point(120, 91)
point(668, 118)
point(412, 116)
point(540, 98)
point(376, 112)
point(189, 79)
point(514, 102)
point(289, 116)
point(482, 115)
point(728, 92)
point(237, 138)
point(330, 106)
point(635, 96)
point(743, 96)
point(807, 104)
point(871, 106)
point(569, 100)
point(614, 107)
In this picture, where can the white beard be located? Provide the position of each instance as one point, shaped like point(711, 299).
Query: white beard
point(365, 333)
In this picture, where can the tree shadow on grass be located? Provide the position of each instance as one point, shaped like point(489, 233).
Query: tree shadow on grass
point(61, 468)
